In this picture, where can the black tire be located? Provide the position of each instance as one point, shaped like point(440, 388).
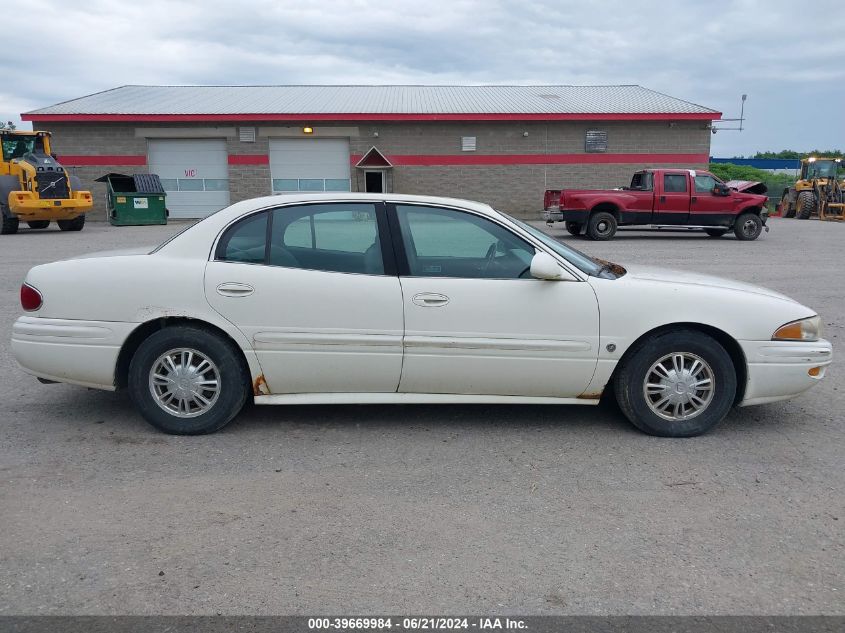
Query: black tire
point(228, 369)
point(786, 209)
point(574, 228)
point(806, 205)
point(10, 225)
point(715, 232)
point(39, 224)
point(748, 226)
point(75, 224)
point(630, 378)
point(601, 226)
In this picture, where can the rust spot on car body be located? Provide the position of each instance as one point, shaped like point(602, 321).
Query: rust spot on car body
point(259, 386)
point(590, 396)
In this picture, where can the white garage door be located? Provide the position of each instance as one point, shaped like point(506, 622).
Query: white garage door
point(309, 164)
point(194, 172)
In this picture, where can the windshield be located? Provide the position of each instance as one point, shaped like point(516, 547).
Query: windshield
point(821, 169)
point(583, 262)
point(15, 146)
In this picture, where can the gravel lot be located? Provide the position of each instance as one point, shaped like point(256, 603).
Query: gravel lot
point(430, 509)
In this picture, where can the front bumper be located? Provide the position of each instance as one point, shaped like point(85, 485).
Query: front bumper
point(779, 370)
point(27, 206)
point(64, 350)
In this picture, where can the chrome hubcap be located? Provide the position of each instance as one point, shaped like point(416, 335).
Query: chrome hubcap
point(184, 382)
point(679, 386)
point(749, 227)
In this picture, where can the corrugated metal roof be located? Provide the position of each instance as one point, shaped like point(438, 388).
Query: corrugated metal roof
point(227, 100)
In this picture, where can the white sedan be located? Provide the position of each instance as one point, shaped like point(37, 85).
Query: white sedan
point(362, 298)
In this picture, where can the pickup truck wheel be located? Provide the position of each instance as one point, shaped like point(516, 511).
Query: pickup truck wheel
point(39, 224)
point(187, 381)
point(10, 225)
point(601, 226)
point(715, 232)
point(786, 209)
point(676, 384)
point(75, 224)
point(574, 228)
point(748, 226)
point(806, 205)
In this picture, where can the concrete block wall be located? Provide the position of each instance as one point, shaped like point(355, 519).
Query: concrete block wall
point(515, 188)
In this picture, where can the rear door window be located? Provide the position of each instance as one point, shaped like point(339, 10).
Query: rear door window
point(674, 183)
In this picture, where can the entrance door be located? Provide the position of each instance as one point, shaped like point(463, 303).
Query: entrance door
point(194, 172)
point(374, 181)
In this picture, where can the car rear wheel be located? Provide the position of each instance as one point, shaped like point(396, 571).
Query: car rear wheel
point(748, 227)
point(574, 228)
point(75, 224)
point(187, 381)
point(601, 226)
point(715, 232)
point(38, 224)
point(676, 384)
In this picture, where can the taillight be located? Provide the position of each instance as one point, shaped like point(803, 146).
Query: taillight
point(31, 299)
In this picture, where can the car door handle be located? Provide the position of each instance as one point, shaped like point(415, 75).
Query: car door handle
point(232, 289)
point(430, 299)
point(662, 198)
point(693, 199)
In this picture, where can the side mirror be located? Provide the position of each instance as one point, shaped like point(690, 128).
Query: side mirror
point(721, 189)
point(544, 266)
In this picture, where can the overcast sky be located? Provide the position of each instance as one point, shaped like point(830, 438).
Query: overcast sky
point(791, 66)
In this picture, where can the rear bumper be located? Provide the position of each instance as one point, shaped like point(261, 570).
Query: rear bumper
point(27, 206)
point(779, 370)
point(78, 352)
point(564, 215)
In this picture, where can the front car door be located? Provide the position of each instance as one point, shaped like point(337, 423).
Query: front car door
point(476, 322)
point(308, 286)
point(671, 205)
point(706, 208)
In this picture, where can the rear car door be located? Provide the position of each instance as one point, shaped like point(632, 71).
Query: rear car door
point(672, 198)
point(308, 286)
point(476, 322)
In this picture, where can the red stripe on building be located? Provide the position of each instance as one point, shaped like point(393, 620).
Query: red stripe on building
point(538, 159)
point(80, 161)
point(249, 159)
point(307, 118)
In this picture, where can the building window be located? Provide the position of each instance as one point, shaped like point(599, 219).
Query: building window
point(467, 143)
point(595, 141)
point(283, 185)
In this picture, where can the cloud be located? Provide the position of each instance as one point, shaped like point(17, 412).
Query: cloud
point(708, 53)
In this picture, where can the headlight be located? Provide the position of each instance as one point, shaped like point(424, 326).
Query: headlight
point(809, 329)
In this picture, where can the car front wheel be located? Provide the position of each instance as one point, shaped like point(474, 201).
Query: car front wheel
point(748, 226)
point(187, 381)
point(676, 384)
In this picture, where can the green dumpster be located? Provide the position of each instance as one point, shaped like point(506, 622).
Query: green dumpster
point(135, 200)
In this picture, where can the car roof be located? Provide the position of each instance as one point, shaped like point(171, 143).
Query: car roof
point(200, 235)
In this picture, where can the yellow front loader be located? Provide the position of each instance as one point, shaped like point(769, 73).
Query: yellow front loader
point(817, 192)
point(35, 188)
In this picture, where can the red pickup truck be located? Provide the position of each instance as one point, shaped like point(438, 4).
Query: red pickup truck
point(663, 198)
